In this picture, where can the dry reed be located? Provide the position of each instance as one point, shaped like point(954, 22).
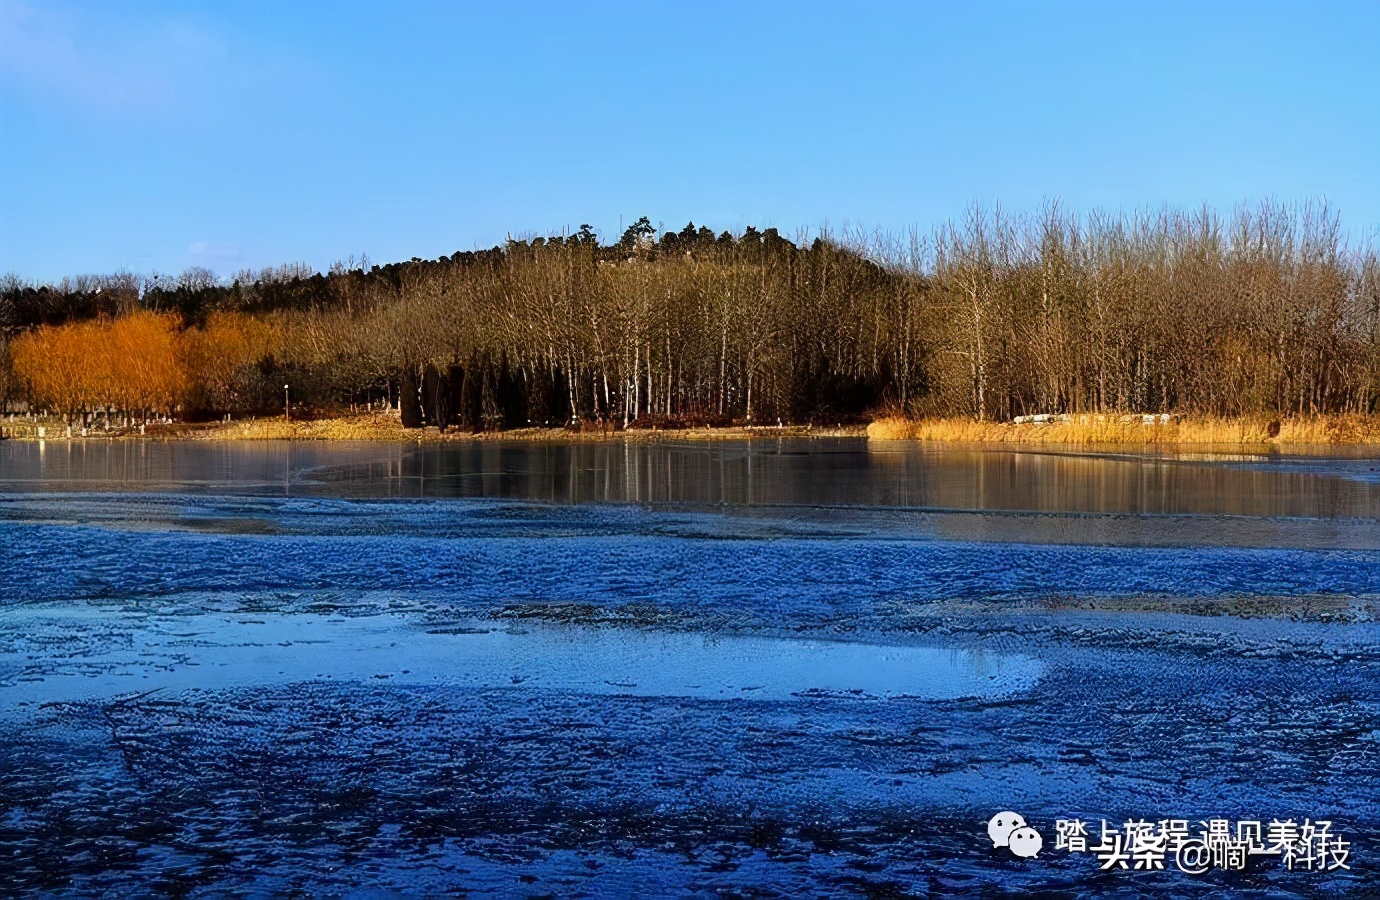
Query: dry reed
point(1114, 430)
point(385, 427)
point(380, 426)
point(1084, 430)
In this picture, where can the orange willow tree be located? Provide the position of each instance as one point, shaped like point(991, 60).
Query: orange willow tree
point(55, 363)
point(146, 374)
point(221, 360)
point(130, 364)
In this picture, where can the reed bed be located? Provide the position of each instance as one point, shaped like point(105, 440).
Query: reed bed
point(382, 426)
point(362, 427)
point(1131, 431)
point(1080, 430)
point(385, 427)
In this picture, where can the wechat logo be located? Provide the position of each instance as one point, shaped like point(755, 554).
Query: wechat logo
point(1009, 830)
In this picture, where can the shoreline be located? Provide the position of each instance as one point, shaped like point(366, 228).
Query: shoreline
point(1136, 432)
point(385, 428)
point(1249, 434)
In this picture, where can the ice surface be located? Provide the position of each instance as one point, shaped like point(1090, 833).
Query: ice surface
point(791, 669)
point(224, 652)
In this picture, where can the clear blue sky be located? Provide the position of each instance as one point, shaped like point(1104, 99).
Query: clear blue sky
point(158, 136)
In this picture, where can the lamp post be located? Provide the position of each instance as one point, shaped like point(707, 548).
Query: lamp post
point(287, 409)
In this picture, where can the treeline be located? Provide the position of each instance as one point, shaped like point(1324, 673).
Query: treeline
point(141, 364)
point(1266, 311)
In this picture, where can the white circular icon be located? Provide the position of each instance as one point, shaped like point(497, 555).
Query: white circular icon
point(1001, 826)
point(1025, 842)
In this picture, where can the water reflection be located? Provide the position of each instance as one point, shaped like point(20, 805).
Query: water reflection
point(827, 472)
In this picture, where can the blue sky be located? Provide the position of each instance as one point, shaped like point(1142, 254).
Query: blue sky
point(158, 136)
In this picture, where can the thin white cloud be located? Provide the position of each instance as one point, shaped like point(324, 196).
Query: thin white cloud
point(209, 253)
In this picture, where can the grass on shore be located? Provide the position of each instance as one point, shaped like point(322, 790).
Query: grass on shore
point(381, 426)
point(1129, 431)
point(385, 427)
point(1084, 430)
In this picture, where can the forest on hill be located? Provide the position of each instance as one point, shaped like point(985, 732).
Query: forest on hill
point(1267, 310)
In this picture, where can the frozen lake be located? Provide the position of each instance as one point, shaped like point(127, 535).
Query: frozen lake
point(770, 668)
